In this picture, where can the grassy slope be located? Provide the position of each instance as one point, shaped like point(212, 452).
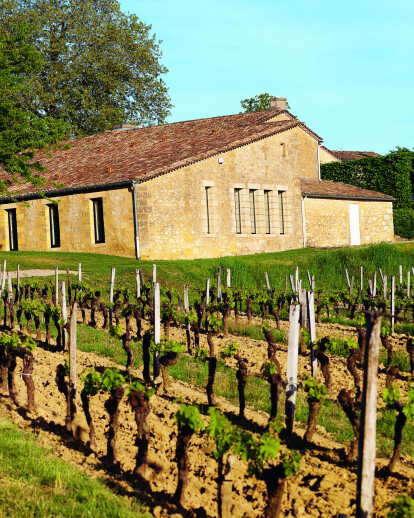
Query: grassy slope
point(34, 483)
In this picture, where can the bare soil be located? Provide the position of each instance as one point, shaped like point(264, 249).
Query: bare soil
point(325, 485)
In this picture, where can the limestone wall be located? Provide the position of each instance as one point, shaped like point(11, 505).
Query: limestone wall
point(327, 222)
point(77, 232)
point(325, 157)
point(172, 209)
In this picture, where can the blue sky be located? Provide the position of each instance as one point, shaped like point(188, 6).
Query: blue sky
point(346, 67)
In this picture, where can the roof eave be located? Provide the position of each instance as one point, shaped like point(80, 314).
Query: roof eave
point(338, 197)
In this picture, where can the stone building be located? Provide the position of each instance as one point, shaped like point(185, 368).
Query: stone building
point(231, 185)
point(327, 155)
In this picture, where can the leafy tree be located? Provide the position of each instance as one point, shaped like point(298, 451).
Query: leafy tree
point(257, 103)
point(101, 66)
point(21, 130)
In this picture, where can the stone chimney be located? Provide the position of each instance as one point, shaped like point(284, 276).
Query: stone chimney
point(278, 102)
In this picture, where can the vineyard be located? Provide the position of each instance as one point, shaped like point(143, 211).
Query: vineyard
point(243, 403)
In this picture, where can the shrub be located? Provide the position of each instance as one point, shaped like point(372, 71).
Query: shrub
point(404, 223)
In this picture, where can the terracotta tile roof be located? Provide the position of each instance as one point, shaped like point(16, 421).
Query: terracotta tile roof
point(125, 155)
point(328, 189)
point(345, 156)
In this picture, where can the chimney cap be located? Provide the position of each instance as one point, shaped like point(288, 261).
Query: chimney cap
point(278, 102)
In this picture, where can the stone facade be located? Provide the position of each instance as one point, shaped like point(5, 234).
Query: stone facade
point(328, 222)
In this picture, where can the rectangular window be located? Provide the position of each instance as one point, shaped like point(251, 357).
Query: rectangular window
point(208, 209)
point(267, 211)
point(237, 210)
point(281, 213)
point(54, 225)
point(12, 219)
point(98, 220)
point(252, 212)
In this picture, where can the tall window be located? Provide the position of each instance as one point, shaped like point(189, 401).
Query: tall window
point(208, 209)
point(281, 212)
point(252, 212)
point(12, 219)
point(237, 210)
point(98, 220)
point(54, 225)
point(267, 211)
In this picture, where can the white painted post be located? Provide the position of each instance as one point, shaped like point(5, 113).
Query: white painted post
point(312, 331)
point(157, 319)
point(292, 366)
point(401, 275)
point(80, 272)
point(408, 284)
point(347, 278)
point(64, 311)
point(228, 278)
point(367, 437)
point(385, 287)
point(57, 285)
point(267, 283)
point(186, 303)
point(374, 285)
point(138, 280)
point(72, 346)
point(219, 296)
point(208, 291)
point(392, 303)
point(382, 275)
point(154, 273)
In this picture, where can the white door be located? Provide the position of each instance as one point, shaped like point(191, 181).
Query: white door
point(354, 224)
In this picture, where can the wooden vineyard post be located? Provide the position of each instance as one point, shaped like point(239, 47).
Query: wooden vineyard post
point(3, 279)
point(9, 286)
point(111, 293)
point(80, 272)
point(188, 325)
point(374, 285)
point(268, 283)
point(57, 285)
point(297, 279)
point(367, 437)
point(228, 278)
point(370, 289)
point(64, 314)
point(392, 303)
point(362, 280)
point(72, 367)
point(347, 279)
point(351, 287)
point(312, 331)
point(382, 275)
point(138, 279)
point(219, 297)
point(385, 282)
point(186, 303)
point(292, 366)
point(154, 273)
point(401, 275)
point(309, 279)
point(18, 281)
point(207, 291)
point(313, 284)
point(141, 277)
point(157, 319)
point(408, 284)
point(292, 285)
point(304, 305)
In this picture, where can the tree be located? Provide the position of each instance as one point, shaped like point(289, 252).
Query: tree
point(257, 103)
point(101, 66)
point(21, 131)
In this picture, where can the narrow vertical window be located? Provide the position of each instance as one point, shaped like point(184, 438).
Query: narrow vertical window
point(208, 209)
point(54, 225)
point(252, 212)
point(98, 220)
point(267, 211)
point(12, 219)
point(281, 213)
point(237, 210)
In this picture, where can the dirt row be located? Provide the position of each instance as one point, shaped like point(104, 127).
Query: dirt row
point(325, 486)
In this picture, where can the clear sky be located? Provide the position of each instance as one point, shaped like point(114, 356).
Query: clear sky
point(345, 67)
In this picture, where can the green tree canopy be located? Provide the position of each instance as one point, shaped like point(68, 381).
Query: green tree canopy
point(390, 174)
point(101, 66)
point(257, 103)
point(21, 131)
